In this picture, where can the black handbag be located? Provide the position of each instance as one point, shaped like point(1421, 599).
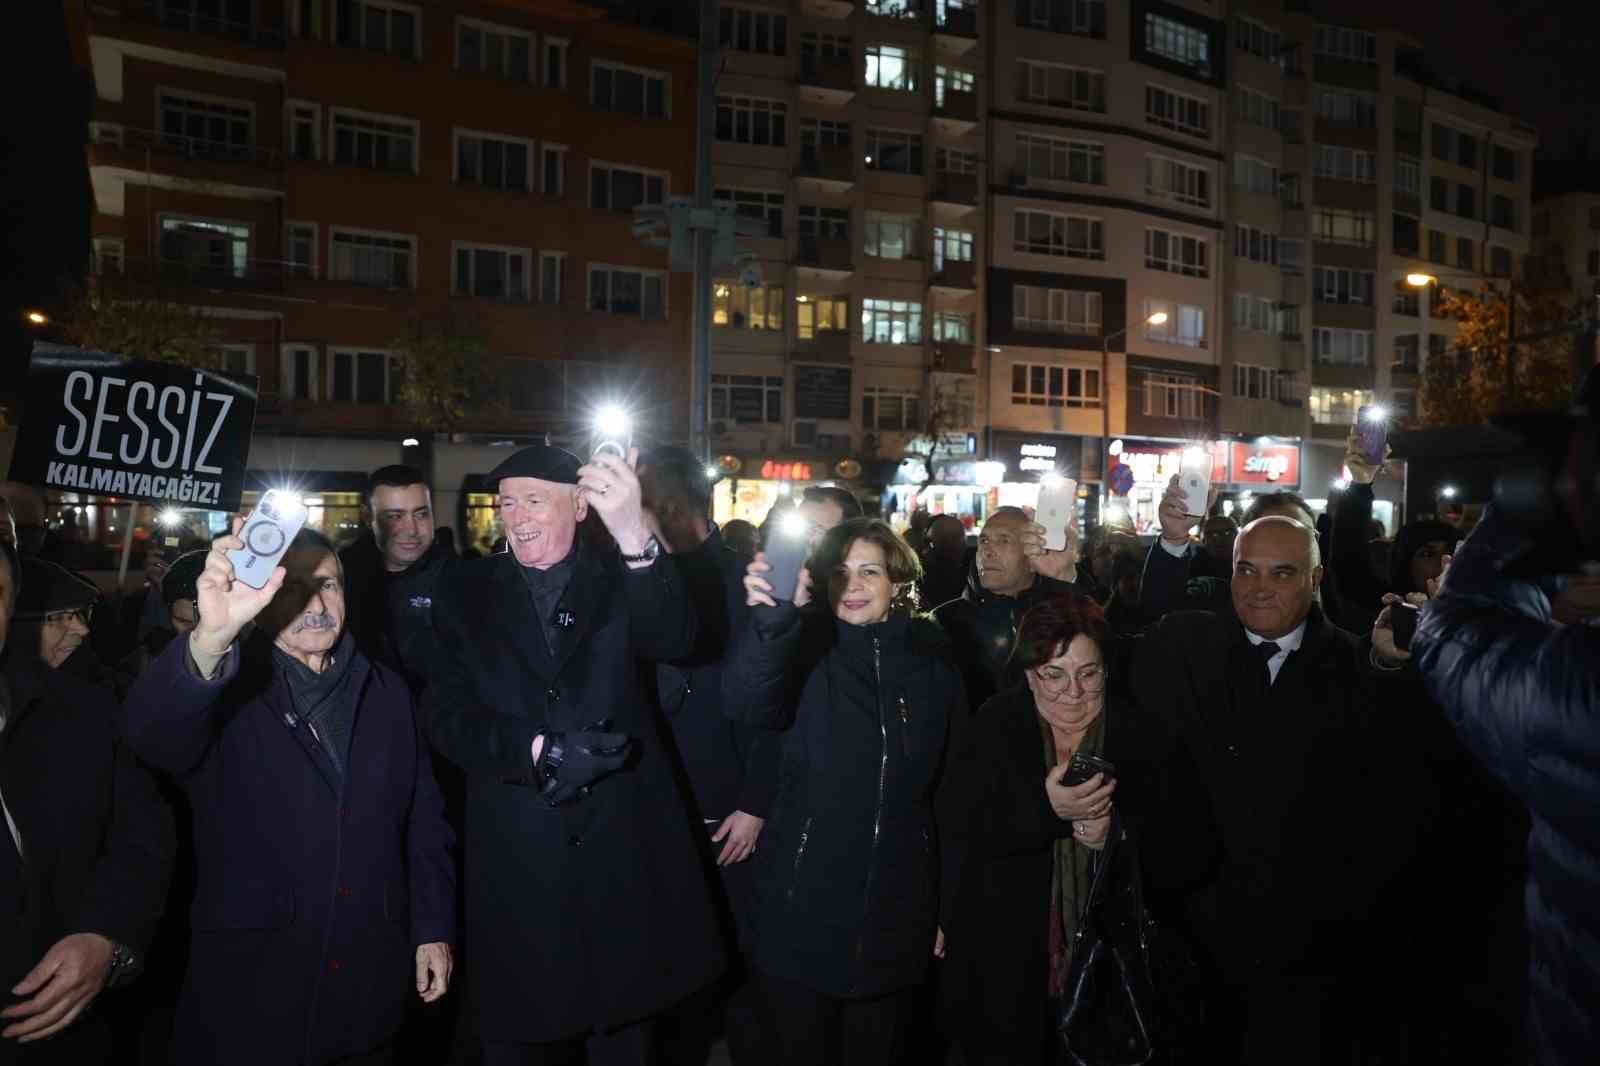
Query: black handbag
point(1110, 1013)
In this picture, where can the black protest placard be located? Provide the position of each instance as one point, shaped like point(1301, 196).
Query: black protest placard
point(159, 432)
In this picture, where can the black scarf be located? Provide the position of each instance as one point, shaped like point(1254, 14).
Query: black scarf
point(323, 700)
point(547, 587)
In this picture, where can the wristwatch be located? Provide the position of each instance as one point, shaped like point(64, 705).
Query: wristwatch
point(123, 962)
point(652, 548)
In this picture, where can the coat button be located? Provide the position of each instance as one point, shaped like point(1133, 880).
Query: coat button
point(554, 694)
point(575, 841)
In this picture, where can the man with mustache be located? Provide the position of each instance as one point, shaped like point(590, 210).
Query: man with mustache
point(324, 884)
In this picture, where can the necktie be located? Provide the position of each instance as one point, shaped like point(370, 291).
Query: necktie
point(1267, 649)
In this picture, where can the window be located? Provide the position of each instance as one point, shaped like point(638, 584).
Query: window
point(1452, 146)
point(1337, 407)
point(553, 169)
point(1255, 313)
point(888, 408)
point(1407, 351)
point(108, 255)
point(622, 291)
point(1408, 176)
point(552, 269)
point(374, 141)
point(1176, 253)
point(829, 223)
point(1087, 17)
point(1503, 212)
point(899, 9)
point(1060, 86)
point(1255, 244)
point(1049, 159)
point(815, 132)
point(206, 128)
point(1168, 179)
point(305, 131)
point(747, 399)
point(893, 67)
point(1466, 201)
point(1345, 164)
point(758, 204)
point(1257, 109)
point(1342, 227)
point(1407, 235)
point(492, 273)
point(205, 245)
point(1438, 245)
point(1343, 347)
point(555, 63)
point(1466, 253)
point(1341, 107)
point(498, 50)
point(892, 236)
point(1255, 175)
point(1407, 299)
point(891, 322)
point(617, 188)
point(387, 28)
point(1336, 285)
point(1500, 262)
point(1260, 382)
point(628, 90)
point(739, 306)
point(1290, 255)
point(949, 79)
point(300, 247)
point(493, 162)
point(821, 314)
point(1184, 325)
point(363, 377)
point(1438, 346)
point(1036, 309)
point(1439, 194)
point(894, 151)
point(1175, 111)
point(1340, 42)
point(1259, 40)
point(1503, 163)
point(1181, 43)
point(751, 120)
point(1042, 385)
point(749, 30)
point(1070, 236)
point(950, 245)
point(1173, 396)
point(371, 258)
point(818, 48)
point(1289, 191)
point(953, 161)
point(302, 372)
point(954, 327)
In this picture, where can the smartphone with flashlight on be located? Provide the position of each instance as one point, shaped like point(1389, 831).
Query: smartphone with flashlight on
point(1058, 501)
point(267, 534)
point(786, 553)
point(611, 433)
point(1195, 479)
point(1372, 433)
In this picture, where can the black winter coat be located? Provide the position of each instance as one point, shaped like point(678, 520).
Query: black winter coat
point(983, 628)
point(847, 870)
point(391, 615)
point(598, 912)
point(1524, 694)
point(313, 890)
point(97, 840)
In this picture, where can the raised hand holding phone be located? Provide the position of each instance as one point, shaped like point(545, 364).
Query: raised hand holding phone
point(266, 536)
point(225, 603)
point(1058, 500)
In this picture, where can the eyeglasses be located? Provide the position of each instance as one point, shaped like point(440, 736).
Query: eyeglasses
point(1089, 678)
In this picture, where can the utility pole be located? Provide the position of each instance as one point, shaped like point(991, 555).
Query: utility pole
point(705, 124)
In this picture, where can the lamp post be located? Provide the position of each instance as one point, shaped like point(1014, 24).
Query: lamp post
point(1419, 280)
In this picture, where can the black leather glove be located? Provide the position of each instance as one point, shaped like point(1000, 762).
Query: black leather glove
point(571, 762)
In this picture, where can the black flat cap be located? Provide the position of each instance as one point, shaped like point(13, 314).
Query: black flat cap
point(49, 589)
point(539, 461)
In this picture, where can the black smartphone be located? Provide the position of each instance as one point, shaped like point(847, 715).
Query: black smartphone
point(1372, 433)
point(1082, 767)
point(786, 553)
point(1404, 617)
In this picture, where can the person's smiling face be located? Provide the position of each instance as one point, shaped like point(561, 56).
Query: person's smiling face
point(859, 588)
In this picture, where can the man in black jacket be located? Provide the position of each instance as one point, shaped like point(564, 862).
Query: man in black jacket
point(1012, 573)
point(86, 850)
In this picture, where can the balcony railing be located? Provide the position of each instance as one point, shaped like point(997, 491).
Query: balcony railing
point(830, 162)
point(186, 16)
point(824, 253)
point(177, 145)
point(267, 274)
point(826, 72)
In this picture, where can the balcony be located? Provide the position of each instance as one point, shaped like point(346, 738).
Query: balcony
point(826, 81)
point(956, 113)
point(230, 21)
point(179, 270)
point(832, 166)
point(956, 190)
point(955, 357)
point(193, 158)
point(956, 275)
point(827, 9)
point(824, 255)
point(955, 29)
point(825, 345)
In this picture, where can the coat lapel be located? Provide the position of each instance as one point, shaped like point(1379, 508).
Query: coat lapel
point(522, 631)
point(585, 602)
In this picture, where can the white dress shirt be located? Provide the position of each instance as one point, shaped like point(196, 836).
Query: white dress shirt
point(1286, 644)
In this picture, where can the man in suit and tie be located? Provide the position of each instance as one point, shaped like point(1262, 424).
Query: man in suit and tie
point(1281, 744)
point(587, 909)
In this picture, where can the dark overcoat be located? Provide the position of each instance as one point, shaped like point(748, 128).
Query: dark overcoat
point(597, 912)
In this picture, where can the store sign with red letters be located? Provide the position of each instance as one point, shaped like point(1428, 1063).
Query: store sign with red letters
point(1277, 465)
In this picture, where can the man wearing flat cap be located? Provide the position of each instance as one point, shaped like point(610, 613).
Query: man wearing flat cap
point(587, 910)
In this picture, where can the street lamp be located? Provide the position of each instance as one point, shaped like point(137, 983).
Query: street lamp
point(37, 318)
point(1419, 280)
point(1105, 378)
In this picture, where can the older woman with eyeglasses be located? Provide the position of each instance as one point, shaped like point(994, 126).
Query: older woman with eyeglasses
point(1019, 839)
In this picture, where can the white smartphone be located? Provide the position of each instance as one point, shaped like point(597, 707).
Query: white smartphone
point(267, 534)
point(1058, 506)
point(1195, 480)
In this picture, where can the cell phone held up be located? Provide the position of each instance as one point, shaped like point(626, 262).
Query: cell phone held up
point(267, 534)
point(1082, 767)
point(786, 553)
point(1058, 500)
point(1372, 434)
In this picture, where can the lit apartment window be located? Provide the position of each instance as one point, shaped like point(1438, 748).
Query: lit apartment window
point(950, 245)
point(737, 306)
point(493, 162)
point(1053, 159)
point(387, 27)
point(952, 326)
point(949, 79)
point(821, 314)
point(891, 321)
point(377, 259)
point(891, 236)
point(1177, 111)
point(1344, 164)
point(751, 30)
point(752, 120)
point(1069, 236)
point(207, 128)
point(893, 67)
point(498, 50)
point(1343, 347)
point(1036, 309)
point(492, 273)
point(1177, 41)
point(628, 90)
point(895, 151)
point(206, 245)
point(1341, 42)
point(1184, 325)
point(376, 141)
point(614, 188)
point(1058, 85)
point(884, 407)
point(1337, 407)
point(363, 377)
point(1336, 285)
point(759, 204)
point(625, 291)
point(1176, 253)
point(1169, 179)
point(1043, 385)
point(747, 399)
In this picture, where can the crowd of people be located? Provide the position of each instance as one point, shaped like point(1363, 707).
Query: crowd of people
point(609, 796)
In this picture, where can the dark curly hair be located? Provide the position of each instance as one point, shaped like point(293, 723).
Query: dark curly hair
point(1051, 625)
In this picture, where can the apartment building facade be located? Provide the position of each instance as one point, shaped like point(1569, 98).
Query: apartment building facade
point(322, 175)
point(1566, 224)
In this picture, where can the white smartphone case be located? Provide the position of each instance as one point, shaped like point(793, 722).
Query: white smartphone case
point(1058, 503)
point(1196, 485)
point(267, 534)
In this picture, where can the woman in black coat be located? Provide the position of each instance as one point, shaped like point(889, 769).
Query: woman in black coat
point(846, 878)
point(1019, 843)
